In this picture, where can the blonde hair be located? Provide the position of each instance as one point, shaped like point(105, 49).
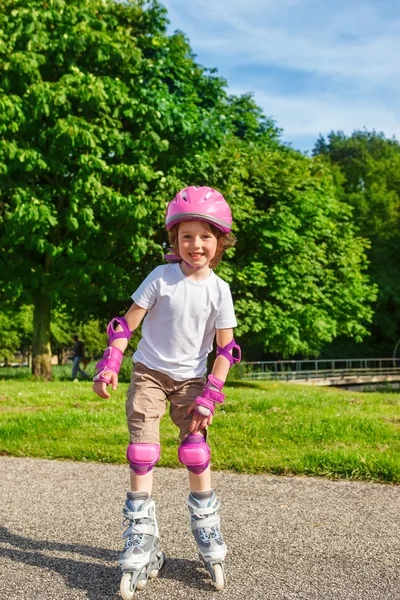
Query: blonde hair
point(224, 241)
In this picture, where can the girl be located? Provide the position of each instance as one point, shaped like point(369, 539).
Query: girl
point(185, 306)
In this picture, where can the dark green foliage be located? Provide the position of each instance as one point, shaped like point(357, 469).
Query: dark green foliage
point(367, 168)
point(15, 331)
point(98, 104)
point(298, 278)
point(103, 116)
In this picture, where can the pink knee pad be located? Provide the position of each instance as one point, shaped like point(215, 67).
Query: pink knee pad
point(142, 457)
point(194, 453)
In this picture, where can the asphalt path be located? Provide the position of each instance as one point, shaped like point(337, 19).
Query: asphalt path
point(288, 538)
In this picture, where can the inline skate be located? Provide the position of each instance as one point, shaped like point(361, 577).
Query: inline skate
point(141, 558)
point(205, 524)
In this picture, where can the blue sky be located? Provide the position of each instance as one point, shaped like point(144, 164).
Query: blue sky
point(312, 65)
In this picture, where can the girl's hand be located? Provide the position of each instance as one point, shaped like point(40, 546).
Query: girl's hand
point(198, 421)
point(100, 387)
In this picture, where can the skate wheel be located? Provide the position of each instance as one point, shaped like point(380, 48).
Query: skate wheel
point(219, 581)
point(153, 574)
point(125, 587)
point(141, 584)
point(161, 560)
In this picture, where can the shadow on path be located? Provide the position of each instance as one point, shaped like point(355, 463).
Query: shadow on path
point(6, 537)
point(188, 572)
point(95, 579)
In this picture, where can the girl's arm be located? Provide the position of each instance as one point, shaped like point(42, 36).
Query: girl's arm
point(133, 318)
point(220, 371)
point(221, 366)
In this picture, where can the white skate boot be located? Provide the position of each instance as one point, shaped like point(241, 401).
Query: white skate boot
point(141, 558)
point(205, 523)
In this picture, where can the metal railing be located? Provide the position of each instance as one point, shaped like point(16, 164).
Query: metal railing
point(286, 370)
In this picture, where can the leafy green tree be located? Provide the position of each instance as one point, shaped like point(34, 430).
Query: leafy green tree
point(97, 107)
point(9, 338)
point(248, 122)
point(103, 116)
point(298, 270)
point(15, 331)
point(367, 171)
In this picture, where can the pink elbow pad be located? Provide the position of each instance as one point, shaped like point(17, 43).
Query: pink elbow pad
point(225, 352)
point(115, 335)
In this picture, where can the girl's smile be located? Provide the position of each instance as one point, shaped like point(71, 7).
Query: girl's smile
point(197, 244)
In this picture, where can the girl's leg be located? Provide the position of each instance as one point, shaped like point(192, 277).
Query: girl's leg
point(142, 483)
point(145, 406)
point(200, 482)
point(141, 557)
point(203, 507)
point(203, 503)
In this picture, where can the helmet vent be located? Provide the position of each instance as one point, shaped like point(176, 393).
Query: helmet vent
point(208, 195)
point(184, 196)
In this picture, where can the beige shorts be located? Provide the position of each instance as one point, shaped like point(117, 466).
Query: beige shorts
point(146, 403)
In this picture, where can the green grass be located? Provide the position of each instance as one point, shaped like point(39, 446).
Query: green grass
point(262, 428)
point(62, 372)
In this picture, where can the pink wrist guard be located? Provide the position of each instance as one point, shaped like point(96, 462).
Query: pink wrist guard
point(210, 396)
point(111, 361)
point(116, 335)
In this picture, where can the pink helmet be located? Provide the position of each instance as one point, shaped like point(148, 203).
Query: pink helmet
point(199, 204)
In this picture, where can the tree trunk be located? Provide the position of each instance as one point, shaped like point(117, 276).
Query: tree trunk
point(41, 351)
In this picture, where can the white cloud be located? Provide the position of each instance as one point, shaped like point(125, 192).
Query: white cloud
point(348, 49)
point(265, 32)
point(302, 116)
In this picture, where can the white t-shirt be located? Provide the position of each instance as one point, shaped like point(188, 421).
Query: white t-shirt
point(179, 328)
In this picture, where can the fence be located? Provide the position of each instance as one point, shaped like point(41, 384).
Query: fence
point(286, 370)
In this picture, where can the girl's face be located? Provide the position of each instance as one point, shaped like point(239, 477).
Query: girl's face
point(196, 242)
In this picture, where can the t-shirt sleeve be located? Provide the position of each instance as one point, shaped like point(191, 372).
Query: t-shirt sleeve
point(226, 317)
point(147, 293)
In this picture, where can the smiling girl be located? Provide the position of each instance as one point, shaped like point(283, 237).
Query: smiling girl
point(185, 306)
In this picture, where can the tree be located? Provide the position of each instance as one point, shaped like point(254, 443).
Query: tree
point(15, 331)
point(367, 168)
point(103, 116)
point(97, 107)
point(298, 270)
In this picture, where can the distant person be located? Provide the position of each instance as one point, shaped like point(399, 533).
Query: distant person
point(78, 350)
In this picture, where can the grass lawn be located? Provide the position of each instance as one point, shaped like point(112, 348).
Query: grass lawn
point(262, 428)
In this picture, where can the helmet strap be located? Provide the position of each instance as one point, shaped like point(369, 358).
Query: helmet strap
point(172, 256)
point(192, 267)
